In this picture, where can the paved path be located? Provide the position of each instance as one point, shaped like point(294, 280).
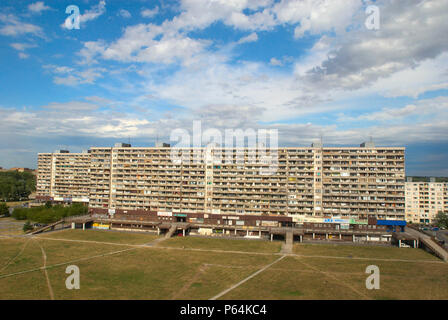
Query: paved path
point(246, 279)
point(288, 244)
point(44, 268)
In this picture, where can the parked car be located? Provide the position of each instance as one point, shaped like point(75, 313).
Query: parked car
point(39, 225)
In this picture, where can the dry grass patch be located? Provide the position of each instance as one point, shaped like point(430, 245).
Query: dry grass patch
point(173, 270)
point(223, 244)
point(154, 274)
point(378, 252)
point(26, 286)
point(10, 227)
point(102, 236)
point(302, 282)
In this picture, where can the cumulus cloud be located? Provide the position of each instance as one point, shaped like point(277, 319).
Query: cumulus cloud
point(253, 37)
point(71, 77)
point(421, 109)
point(21, 47)
point(275, 62)
point(316, 16)
point(139, 43)
point(364, 56)
point(90, 52)
point(125, 14)
point(38, 7)
point(13, 26)
point(23, 55)
point(149, 13)
point(92, 14)
point(75, 119)
point(204, 79)
point(152, 42)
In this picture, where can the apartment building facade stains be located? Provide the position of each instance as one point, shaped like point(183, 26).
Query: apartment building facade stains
point(424, 200)
point(349, 182)
point(63, 176)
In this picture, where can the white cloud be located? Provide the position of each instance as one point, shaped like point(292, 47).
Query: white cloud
point(395, 61)
point(363, 56)
point(414, 81)
point(149, 13)
point(94, 12)
point(90, 51)
point(89, 15)
point(22, 46)
point(138, 44)
point(70, 77)
point(275, 62)
point(38, 7)
point(12, 26)
point(156, 43)
point(421, 109)
point(125, 14)
point(253, 37)
point(23, 55)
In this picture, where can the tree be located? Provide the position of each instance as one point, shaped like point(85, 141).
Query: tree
point(442, 220)
point(15, 186)
point(27, 226)
point(4, 210)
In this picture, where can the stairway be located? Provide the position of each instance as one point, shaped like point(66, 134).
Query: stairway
point(50, 226)
point(429, 243)
point(287, 246)
point(171, 231)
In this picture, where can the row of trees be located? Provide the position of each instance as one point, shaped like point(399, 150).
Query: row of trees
point(442, 220)
point(48, 213)
point(16, 186)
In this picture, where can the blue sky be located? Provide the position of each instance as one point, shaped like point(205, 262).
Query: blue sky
point(140, 69)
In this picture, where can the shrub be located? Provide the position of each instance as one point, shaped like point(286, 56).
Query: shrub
point(27, 226)
point(45, 214)
point(4, 210)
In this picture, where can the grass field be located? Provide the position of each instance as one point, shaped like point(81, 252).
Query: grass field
point(115, 265)
point(10, 226)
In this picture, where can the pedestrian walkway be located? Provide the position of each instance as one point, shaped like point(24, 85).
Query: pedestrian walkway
point(429, 243)
point(287, 246)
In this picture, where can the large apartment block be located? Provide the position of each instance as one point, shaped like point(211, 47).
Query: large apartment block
point(424, 200)
point(63, 176)
point(352, 182)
